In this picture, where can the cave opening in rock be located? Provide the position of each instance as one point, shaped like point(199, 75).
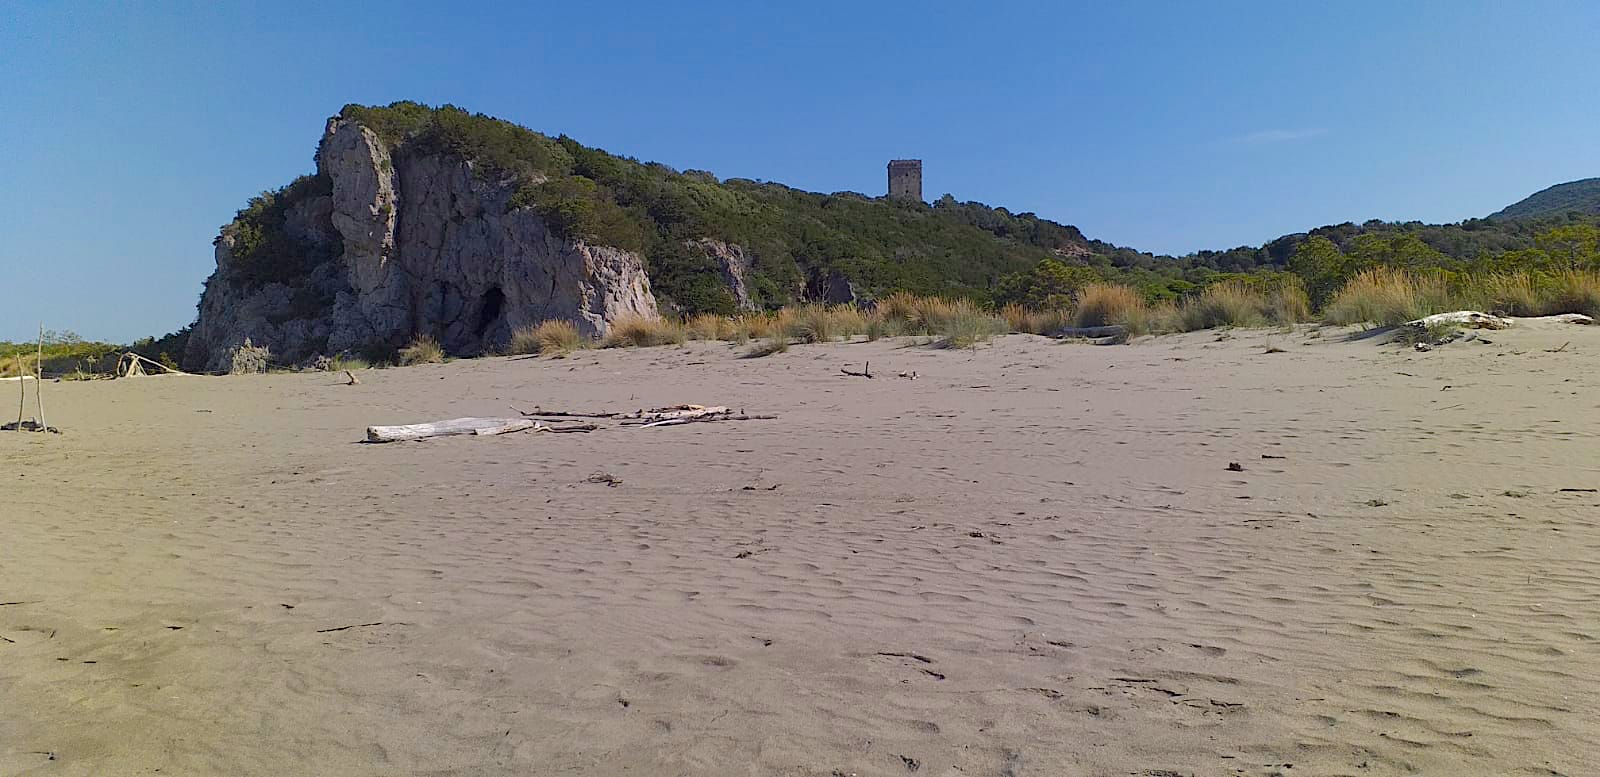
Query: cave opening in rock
point(489, 309)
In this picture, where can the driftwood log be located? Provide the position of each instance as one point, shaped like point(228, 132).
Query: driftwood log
point(562, 413)
point(646, 417)
point(703, 419)
point(454, 426)
point(1466, 319)
point(1115, 330)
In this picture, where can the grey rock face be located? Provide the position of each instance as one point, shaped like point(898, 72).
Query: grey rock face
point(429, 246)
point(831, 287)
point(734, 263)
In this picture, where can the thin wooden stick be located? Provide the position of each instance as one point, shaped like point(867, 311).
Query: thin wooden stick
point(22, 386)
point(38, 386)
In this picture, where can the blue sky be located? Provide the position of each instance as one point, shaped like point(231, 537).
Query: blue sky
point(130, 132)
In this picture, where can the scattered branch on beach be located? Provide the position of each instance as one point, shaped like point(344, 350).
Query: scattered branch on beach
point(353, 380)
point(29, 425)
point(673, 412)
point(702, 419)
point(673, 415)
point(569, 429)
point(1558, 350)
point(1468, 319)
point(454, 426)
point(536, 411)
point(1090, 332)
point(866, 371)
point(351, 626)
point(912, 375)
point(132, 365)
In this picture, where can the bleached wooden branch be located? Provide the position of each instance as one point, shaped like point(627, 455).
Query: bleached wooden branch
point(707, 419)
point(645, 417)
point(1469, 319)
point(454, 426)
point(1114, 330)
point(561, 413)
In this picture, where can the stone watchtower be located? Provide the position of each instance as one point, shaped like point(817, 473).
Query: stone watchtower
point(905, 179)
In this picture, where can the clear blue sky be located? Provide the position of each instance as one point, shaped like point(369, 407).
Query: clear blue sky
point(130, 132)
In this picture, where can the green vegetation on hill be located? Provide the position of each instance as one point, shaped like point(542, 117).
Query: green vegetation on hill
point(798, 239)
point(800, 242)
point(1571, 197)
point(263, 250)
point(65, 353)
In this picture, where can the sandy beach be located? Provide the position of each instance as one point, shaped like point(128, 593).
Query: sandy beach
point(1032, 560)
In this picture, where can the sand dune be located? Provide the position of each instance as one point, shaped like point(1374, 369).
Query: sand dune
point(1033, 560)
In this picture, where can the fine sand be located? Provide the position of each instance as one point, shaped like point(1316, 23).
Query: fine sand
point(1033, 560)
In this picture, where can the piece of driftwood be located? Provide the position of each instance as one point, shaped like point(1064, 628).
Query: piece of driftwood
point(567, 429)
point(353, 380)
point(708, 419)
point(866, 371)
point(38, 374)
point(1467, 319)
point(22, 385)
point(132, 365)
point(1115, 330)
point(644, 417)
point(454, 426)
point(561, 413)
point(1563, 318)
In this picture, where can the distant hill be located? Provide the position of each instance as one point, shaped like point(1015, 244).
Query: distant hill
point(1581, 196)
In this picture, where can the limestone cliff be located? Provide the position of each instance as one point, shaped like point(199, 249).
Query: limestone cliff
point(384, 244)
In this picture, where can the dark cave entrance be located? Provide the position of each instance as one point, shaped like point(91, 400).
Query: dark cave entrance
point(489, 309)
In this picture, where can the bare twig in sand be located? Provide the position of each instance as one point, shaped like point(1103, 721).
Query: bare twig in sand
point(1578, 490)
point(22, 386)
point(38, 383)
point(704, 419)
point(351, 626)
point(610, 480)
point(561, 413)
point(866, 371)
point(1559, 350)
point(353, 381)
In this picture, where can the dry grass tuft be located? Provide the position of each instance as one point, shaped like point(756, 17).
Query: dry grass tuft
point(1038, 322)
point(1387, 297)
point(422, 349)
point(551, 337)
point(710, 326)
point(1576, 292)
point(1105, 304)
point(643, 332)
point(820, 323)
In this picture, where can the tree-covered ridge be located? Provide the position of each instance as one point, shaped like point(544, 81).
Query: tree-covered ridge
point(1581, 196)
point(799, 240)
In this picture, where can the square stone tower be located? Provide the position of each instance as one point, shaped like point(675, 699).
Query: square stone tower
point(905, 179)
